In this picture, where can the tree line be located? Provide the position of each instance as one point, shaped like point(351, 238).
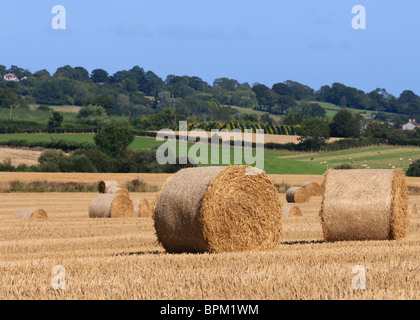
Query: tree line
point(136, 92)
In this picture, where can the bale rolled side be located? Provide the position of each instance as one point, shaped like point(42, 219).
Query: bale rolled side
point(105, 185)
point(314, 189)
point(117, 189)
point(111, 206)
point(297, 195)
point(291, 211)
point(218, 209)
point(361, 205)
point(31, 213)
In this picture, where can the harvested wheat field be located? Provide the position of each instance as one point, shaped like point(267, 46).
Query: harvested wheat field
point(121, 259)
point(19, 156)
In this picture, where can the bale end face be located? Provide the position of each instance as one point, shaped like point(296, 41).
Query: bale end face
point(298, 195)
point(314, 189)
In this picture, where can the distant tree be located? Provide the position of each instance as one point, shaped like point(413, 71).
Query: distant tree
point(293, 119)
point(8, 98)
point(312, 110)
point(345, 124)
point(99, 76)
point(414, 169)
point(225, 83)
point(314, 134)
point(377, 130)
point(114, 139)
point(91, 114)
point(265, 96)
point(265, 118)
point(282, 89)
point(286, 103)
point(42, 74)
point(56, 120)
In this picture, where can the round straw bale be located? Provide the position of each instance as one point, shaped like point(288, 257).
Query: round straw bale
point(361, 205)
point(117, 189)
point(218, 209)
point(111, 206)
point(291, 211)
point(297, 195)
point(105, 185)
point(313, 188)
point(146, 210)
point(413, 209)
point(31, 213)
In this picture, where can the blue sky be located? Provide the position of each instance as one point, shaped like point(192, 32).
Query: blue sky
point(265, 41)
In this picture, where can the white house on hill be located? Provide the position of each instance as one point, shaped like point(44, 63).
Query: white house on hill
point(11, 77)
point(411, 125)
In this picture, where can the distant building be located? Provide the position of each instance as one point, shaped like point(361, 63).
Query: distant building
point(411, 125)
point(11, 77)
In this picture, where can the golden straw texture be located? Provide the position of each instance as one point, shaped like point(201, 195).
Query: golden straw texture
point(363, 205)
point(291, 211)
point(111, 206)
point(218, 209)
point(298, 195)
point(313, 188)
point(31, 213)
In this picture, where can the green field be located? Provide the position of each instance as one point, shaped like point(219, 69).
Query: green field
point(275, 162)
point(332, 109)
point(34, 115)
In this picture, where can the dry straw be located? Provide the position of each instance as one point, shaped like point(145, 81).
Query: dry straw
point(31, 213)
point(313, 188)
point(291, 211)
point(363, 205)
point(413, 209)
point(111, 206)
point(218, 209)
point(117, 189)
point(142, 208)
point(298, 195)
point(105, 185)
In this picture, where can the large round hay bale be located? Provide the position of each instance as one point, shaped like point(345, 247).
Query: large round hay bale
point(111, 206)
point(298, 195)
point(361, 205)
point(413, 209)
point(31, 213)
point(117, 189)
point(291, 211)
point(103, 186)
point(313, 188)
point(218, 209)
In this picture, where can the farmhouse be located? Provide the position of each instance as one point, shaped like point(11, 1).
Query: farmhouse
point(11, 77)
point(411, 125)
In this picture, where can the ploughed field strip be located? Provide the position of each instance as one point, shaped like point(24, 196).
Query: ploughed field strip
point(122, 259)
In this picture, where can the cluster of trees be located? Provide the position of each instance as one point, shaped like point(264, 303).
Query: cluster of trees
point(137, 92)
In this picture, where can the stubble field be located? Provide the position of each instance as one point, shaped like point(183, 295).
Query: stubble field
point(121, 258)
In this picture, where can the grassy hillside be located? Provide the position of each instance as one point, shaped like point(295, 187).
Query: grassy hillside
point(275, 162)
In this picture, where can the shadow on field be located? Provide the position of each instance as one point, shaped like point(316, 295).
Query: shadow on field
point(302, 242)
point(140, 253)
